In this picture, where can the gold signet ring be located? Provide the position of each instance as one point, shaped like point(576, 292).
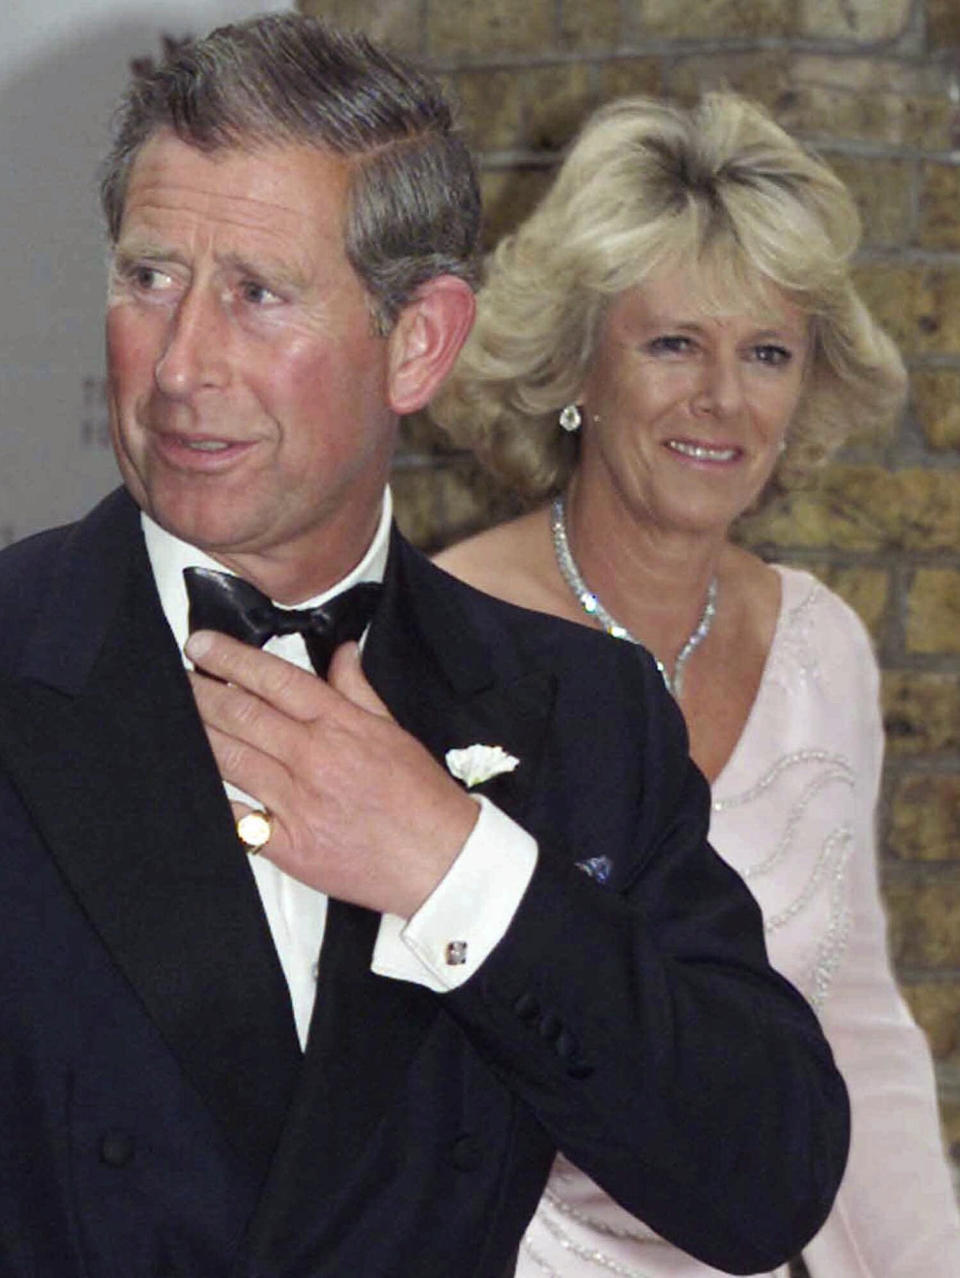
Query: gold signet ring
point(254, 830)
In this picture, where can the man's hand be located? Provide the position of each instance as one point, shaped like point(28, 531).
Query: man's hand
point(360, 809)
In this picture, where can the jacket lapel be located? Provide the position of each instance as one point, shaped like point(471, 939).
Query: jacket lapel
point(103, 741)
point(453, 681)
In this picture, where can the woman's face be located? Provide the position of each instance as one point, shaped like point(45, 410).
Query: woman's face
point(686, 410)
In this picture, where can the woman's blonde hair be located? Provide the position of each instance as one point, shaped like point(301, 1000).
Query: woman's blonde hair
point(647, 186)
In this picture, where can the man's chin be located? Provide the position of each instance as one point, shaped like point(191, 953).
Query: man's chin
point(216, 531)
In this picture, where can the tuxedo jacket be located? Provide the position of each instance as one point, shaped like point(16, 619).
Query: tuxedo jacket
point(157, 1116)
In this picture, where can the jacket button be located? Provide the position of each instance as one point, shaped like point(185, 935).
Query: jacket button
point(579, 1070)
point(527, 1007)
point(566, 1045)
point(551, 1027)
point(466, 1154)
point(117, 1148)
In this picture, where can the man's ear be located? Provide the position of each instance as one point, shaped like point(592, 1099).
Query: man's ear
point(425, 341)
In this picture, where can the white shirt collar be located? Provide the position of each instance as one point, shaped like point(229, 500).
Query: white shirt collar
point(169, 556)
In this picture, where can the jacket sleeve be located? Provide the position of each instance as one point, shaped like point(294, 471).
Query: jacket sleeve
point(632, 1007)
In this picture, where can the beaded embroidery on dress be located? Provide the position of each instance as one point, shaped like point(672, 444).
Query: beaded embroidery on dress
point(793, 811)
point(789, 830)
point(785, 816)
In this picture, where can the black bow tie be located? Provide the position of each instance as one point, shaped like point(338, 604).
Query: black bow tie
point(219, 601)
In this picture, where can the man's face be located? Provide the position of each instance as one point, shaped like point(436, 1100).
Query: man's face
point(248, 393)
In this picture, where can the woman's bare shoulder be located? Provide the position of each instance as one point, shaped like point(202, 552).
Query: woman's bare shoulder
point(512, 561)
point(752, 593)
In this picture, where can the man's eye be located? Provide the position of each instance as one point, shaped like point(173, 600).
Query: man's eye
point(148, 277)
point(257, 294)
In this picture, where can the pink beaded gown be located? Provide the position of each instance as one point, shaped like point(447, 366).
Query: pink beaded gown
point(793, 812)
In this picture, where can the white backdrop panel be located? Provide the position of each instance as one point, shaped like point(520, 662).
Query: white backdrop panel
point(63, 65)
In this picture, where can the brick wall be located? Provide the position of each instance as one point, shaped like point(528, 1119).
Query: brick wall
point(875, 86)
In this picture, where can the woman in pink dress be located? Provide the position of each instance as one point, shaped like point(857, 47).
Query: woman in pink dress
point(671, 334)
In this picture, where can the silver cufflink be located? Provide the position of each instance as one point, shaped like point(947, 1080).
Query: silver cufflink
point(456, 953)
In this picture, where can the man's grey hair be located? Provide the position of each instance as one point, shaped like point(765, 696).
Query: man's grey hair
point(285, 79)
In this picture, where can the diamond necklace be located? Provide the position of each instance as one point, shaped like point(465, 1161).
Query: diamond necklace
point(592, 606)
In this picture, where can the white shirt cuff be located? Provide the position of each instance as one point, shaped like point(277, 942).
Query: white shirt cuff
point(467, 913)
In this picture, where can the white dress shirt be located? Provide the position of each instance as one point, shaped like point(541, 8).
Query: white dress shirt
point(475, 901)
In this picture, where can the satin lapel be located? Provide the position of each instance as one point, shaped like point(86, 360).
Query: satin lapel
point(443, 681)
point(453, 677)
point(122, 787)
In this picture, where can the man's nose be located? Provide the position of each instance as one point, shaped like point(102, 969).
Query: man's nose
point(195, 353)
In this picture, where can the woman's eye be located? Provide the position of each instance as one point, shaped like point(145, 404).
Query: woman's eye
point(670, 344)
point(772, 354)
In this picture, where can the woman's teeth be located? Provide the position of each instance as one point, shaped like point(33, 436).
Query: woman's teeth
point(701, 452)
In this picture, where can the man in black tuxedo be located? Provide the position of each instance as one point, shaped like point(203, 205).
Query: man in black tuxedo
point(354, 1052)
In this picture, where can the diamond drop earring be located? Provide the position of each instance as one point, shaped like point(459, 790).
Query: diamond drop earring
point(570, 418)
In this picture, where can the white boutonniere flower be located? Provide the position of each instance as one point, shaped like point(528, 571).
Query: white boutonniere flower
point(478, 763)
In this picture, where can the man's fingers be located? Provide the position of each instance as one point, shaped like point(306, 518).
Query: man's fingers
point(251, 770)
point(346, 677)
point(245, 719)
point(295, 692)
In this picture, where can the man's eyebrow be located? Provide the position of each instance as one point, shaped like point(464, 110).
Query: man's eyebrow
point(126, 252)
point(275, 271)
